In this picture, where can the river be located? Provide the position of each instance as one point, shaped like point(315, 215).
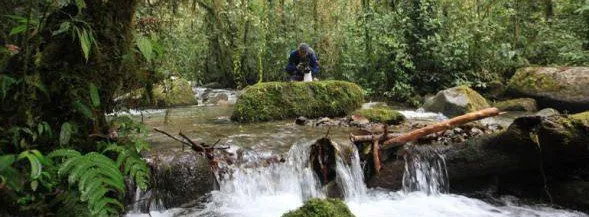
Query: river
point(278, 188)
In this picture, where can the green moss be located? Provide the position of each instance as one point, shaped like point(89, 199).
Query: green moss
point(476, 101)
point(521, 104)
point(179, 92)
point(321, 208)
point(381, 115)
point(456, 101)
point(581, 118)
point(281, 100)
point(526, 80)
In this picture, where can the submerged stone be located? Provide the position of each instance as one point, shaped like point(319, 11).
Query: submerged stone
point(381, 115)
point(563, 88)
point(282, 100)
point(456, 101)
point(321, 208)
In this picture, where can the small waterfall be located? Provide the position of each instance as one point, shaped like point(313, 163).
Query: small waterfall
point(350, 177)
point(425, 171)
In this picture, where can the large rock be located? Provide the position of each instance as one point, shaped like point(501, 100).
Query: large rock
point(282, 100)
point(173, 92)
point(180, 177)
point(562, 88)
point(456, 101)
point(520, 104)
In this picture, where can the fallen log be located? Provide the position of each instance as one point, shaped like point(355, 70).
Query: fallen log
point(442, 126)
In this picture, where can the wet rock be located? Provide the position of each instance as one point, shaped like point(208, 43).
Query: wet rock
point(326, 122)
point(321, 207)
point(219, 97)
point(358, 121)
point(521, 104)
point(381, 115)
point(563, 88)
point(301, 120)
point(180, 177)
point(456, 101)
point(573, 194)
point(547, 112)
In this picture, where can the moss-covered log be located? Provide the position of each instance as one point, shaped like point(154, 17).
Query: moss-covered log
point(282, 100)
point(321, 208)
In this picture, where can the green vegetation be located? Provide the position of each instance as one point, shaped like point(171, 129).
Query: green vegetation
point(281, 100)
point(321, 208)
point(381, 115)
point(393, 49)
point(175, 92)
point(521, 104)
point(61, 66)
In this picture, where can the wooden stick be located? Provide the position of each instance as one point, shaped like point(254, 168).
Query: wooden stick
point(173, 137)
point(194, 146)
point(376, 156)
point(444, 125)
point(368, 138)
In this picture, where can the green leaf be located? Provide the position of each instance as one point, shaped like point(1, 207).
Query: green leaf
point(85, 42)
point(34, 185)
point(18, 29)
point(36, 166)
point(6, 161)
point(65, 134)
point(94, 95)
point(87, 112)
point(145, 47)
point(81, 5)
point(67, 153)
point(5, 85)
point(63, 27)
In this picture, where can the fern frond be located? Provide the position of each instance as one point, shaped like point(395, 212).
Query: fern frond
point(67, 153)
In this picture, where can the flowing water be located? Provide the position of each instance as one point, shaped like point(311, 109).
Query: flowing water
point(275, 189)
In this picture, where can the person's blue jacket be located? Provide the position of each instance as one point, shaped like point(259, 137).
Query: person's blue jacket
point(294, 60)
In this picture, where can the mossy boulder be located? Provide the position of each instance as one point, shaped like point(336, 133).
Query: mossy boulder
point(321, 208)
point(176, 92)
point(381, 115)
point(563, 88)
point(456, 101)
point(282, 100)
point(520, 104)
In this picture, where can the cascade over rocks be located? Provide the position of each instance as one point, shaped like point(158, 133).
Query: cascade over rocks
point(563, 88)
point(456, 101)
point(513, 161)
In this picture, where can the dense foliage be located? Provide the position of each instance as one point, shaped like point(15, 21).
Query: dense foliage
point(391, 48)
point(61, 64)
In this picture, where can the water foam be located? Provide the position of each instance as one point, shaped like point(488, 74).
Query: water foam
point(279, 188)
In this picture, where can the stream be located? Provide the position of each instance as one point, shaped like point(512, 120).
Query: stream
point(278, 188)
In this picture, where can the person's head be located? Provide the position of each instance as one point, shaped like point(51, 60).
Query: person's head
point(303, 49)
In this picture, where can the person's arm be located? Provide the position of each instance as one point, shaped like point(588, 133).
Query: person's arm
point(292, 63)
point(314, 65)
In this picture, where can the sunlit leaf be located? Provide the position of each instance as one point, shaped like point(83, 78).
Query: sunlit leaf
point(6, 160)
point(85, 42)
point(78, 105)
point(94, 95)
point(18, 29)
point(36, 165)
point(64, 27)
point(65, 133)
point(145, 47)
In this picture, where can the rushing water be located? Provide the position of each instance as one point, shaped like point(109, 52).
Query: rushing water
point(278, 188)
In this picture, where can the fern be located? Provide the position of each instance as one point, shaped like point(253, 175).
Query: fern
point(131, 163)
point(97, 178)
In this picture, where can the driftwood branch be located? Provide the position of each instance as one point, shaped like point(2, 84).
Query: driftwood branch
point(442, 126)
point(171, 136)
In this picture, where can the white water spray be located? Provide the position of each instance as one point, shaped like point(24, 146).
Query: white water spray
point(278, 188)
